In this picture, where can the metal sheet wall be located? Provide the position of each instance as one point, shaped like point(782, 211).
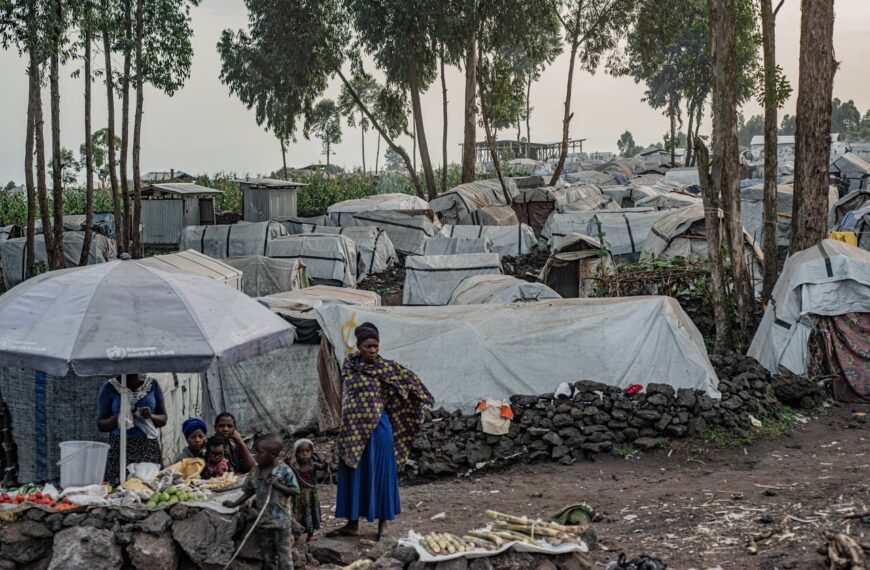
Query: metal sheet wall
point(162, 221)
point(264, 204)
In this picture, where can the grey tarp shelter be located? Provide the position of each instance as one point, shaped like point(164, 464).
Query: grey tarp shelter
point(331, 259)
point(479, 289)
point(491, 216)
point(456, 204)
point(267, 198)
point(341, 212)
point(431, 279)
point(191, 261)
point(534, 205)
point(624, 230)
point(407, 229)
point(829, 279)
point(575, 264)
point(168, 208)
point(854, 200)
point(303, 225)
point(506, 240)
point(13, 253)
point(374, 246)
point(752, 210)
point(591, 177)
point(853, 168)
point(263, 275)
point(530, 348)
point(233, 240)
point(453, 246)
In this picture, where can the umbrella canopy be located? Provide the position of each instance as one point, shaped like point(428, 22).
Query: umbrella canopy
point(127, 317)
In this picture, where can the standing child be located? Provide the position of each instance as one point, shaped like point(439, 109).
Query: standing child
point(273, 483)
point(215, 462)
point(195, 432)
point(238, 456)
point(306, 505)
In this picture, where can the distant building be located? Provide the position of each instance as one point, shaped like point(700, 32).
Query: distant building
point(511, 149)
point(168, 208)
point(265, 199)
point(171, 176)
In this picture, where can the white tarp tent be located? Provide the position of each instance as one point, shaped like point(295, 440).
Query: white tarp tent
point(330, 259)
point(457, 203)
point(752, 211)
point(191, 261)
point(302, 225)
point(13, 253)
point(506, 240)
point(624, 230)
point(234, 240)
point(491, 216)
point(263, 275)
point(454, 246)
point(341, 212)
point(830, 279)
point(480, 289)
point(408, 230)
point(530, 348)
point(431, 279)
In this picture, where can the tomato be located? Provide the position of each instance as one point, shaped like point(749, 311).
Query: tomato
point(20, 498)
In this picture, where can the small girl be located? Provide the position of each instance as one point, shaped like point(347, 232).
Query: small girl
point(237, 453)
point(306, 505)
point(195, 432)
point(215, 461)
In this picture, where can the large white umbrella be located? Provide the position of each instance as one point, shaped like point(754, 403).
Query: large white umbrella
point(126, 317)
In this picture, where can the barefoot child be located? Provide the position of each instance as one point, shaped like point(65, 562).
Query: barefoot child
point(215, 463)
point(195, 432)
point(274, 484)
point(306, 505)
point(238, 456)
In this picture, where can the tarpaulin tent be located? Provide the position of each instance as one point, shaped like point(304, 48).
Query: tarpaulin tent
point(233, 240)
point(407, 229)
point(479, 289)
point(854, 200)
point(13, 253)
point(302, 225)
point(331, 259)
point(9, 232)
point(852, 168)
point(591, 177)
point(858, 221)
point(534, 205)
point(191, 261)
point(624, 230)
point(431, 279)
point(506, 240)
point(341, 212)
point(530, 348)
point(829, 279)
point(575, 264)
point(491, 216)
point(457, 203)
point(752, 211)
point(453, 246)
point(670, 201)
point(263, 275)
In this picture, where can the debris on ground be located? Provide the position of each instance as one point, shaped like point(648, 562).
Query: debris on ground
point(389, 284)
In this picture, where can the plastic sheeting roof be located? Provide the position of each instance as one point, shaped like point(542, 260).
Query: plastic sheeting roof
point(342, 211)
point(506, 240)
point(192, 261)
point(431, 279)
point(457, 203)
point(480, 289)
point(328, 257)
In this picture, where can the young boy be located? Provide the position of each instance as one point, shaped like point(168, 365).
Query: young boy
point(273, 483)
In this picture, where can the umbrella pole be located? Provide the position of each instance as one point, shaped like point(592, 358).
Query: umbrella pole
point(125, 409)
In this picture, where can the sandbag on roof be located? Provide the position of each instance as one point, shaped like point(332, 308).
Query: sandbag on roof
point(13, 253)
point(480, 289)
point(431, 279)
point(454, 246)
point(233, 240)
point(829, 279)
point(530, 348)
point(263, 275)
point(341, 212)
point(506, 240)
point(330, 259)
point(455, 204)
point(407, 229)
point(575, 264)
point(491, 216)
point(192, 261)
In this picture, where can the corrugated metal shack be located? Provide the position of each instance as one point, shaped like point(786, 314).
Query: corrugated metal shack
point(267, 198)
point(168, 208)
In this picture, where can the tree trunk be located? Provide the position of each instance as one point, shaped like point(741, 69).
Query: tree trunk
point(771, 249)
point(444, 132)
point(283, 157)
point(125, 123)
point(414, 145)
point(89, 147)
point(59, 261)
point(813, 134)
point(363, 141)
point(528, 118)
point(41, 182)
point(566, 120)
point(723, 340)
point(673, 117)
point(137, 132)
point(378, 155)
point(110, 103)
point(33, 93)
point(493, 151)
point(469, 149)
point(328, 152)
point(415, 180)
point(726, 166)
point(690, 135)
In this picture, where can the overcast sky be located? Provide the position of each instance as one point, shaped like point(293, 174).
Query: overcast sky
point(202, 129)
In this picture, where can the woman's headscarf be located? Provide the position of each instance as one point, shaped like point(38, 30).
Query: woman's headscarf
point(190, 425)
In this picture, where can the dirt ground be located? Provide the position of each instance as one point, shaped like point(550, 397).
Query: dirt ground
point(693, 507)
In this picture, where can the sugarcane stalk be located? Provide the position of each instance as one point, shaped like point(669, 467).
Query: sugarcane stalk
point(492, 537)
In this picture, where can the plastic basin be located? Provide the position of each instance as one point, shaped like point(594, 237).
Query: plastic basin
point(82, 463)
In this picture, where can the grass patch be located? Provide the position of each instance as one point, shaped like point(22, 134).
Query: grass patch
point(773, 426)
point(623, 451)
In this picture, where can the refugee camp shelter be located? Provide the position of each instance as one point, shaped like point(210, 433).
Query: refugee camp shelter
point(192, 261)
point(9, 232)
point(752, 210)
point(625, 230)
point(431, 279)
point(506, 240)
point(458, 203)
point(341, 212)
point(479, 289)
point(854, 200)
point(858, 221)
point(853, 168)
point(823, 287)
point(534, 205)
point(168, 208)
point(263, 275)
point(453, 246)
point(574, 266)
point(407, 229)
point(13, 254)
point(234, 240)
point(267, 198)
point(301, 224)
point(331, 259)
point(573, 338)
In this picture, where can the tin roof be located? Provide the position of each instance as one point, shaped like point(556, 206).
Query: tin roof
point(181, 189)
point(269, 183)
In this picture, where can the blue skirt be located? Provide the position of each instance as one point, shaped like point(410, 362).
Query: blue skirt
point(372, 489)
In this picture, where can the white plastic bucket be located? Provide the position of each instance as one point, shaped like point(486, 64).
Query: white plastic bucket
point(82, 463)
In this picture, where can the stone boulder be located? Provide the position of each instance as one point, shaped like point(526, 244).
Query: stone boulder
point(25, 541)
point(206, 538)
point(83, 548)
point(149, 551)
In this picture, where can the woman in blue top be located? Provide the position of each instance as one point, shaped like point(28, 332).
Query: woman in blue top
point(148, 413)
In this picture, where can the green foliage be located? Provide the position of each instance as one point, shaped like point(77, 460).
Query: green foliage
point(394, 161)
point(626, 145)
point(788, 125)
point(100, 143)
point(774, 425)
point(748, 129)
point(166, 46)
point(69, 167)
point(325, 123)
point(13, 207)
point(623, 451)
point(231, 199)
